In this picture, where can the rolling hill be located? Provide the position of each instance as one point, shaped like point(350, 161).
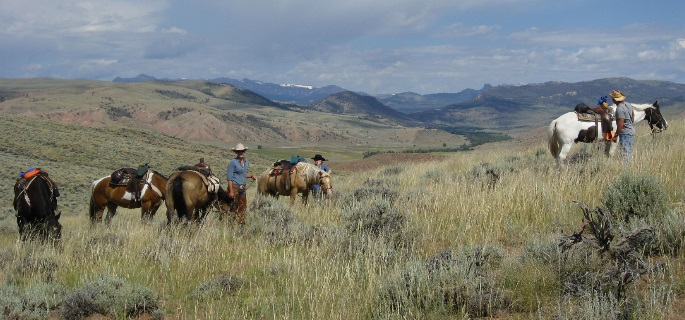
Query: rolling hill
point(212, 113)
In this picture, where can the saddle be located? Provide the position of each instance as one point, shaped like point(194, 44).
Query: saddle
point(587, 114)
point(203, 170)
point(25, 178)
point(132, 179)
point(285, 168)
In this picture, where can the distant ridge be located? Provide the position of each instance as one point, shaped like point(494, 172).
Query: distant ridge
point(139, 78)
point(290, 93)
point(368, 107)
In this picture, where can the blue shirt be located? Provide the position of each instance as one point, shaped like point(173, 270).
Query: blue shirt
point(236, 172)
point(324, 167)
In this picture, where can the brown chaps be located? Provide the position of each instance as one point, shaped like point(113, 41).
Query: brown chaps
point(239, 206)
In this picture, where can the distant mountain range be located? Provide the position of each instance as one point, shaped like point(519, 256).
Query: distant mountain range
point(503, 107)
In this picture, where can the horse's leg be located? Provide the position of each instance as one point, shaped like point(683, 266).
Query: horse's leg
point(610, 148)
point(293, 195)
point(147, 210)
point(111, 211)
point(305, 196)
point(565, 148)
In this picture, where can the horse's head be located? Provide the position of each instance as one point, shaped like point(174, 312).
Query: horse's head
point(654, 118)
point(325, 183)
point(52, 227)
point(225, 202)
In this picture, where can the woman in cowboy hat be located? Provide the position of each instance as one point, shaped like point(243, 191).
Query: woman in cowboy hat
point(318, 162)
point(625, 127)
point(237, 175)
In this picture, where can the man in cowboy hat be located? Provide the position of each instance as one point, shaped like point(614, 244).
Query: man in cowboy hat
point(318, 162)
point(237, 175)
point(625, 126)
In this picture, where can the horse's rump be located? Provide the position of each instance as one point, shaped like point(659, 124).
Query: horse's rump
point(188, 194)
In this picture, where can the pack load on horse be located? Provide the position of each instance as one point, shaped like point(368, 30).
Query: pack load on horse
point(130, 188)
point(193, 191)
point(35, 203)
point(299, 179)
point(600, 112)
point(571, 127)
point(211, 180)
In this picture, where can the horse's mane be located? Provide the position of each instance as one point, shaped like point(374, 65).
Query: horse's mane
point(311, 170)
point(155, 172)
point(641, 106)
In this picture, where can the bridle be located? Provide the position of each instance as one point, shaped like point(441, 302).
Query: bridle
point(321, 184)
point(654, 119)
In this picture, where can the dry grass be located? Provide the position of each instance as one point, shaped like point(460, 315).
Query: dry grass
point(471, 235)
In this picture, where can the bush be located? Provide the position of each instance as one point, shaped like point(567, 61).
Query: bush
point(216, 288)
point(110, 296)
point(636, 197)
point(34, 303)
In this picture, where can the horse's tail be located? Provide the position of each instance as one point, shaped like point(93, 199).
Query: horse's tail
point(92, 212)
point(91, 208)
point(177, 197)
point(553, 139)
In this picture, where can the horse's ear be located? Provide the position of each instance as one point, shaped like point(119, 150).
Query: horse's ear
point(320, 174)
point(58, 215)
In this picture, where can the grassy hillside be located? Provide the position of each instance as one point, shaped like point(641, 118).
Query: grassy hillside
point(487, 233)
point(203, 112)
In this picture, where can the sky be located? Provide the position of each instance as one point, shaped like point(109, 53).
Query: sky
point(373, 46)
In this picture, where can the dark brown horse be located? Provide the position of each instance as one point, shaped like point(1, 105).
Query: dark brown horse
point(35, 201)
point(106, 195)
point(190, 198)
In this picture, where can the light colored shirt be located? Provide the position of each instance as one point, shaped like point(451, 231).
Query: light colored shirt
point(625, 111)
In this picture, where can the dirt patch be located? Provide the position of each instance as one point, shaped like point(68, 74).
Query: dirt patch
point(384, 159)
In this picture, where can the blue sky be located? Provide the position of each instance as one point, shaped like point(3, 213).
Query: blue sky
point(375, 46)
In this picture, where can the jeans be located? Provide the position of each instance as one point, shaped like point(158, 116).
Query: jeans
point(626, 146)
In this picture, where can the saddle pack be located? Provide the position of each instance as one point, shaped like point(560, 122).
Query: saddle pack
point(26, 177)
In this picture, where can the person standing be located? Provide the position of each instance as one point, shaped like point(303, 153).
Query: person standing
point(318, 162)
point(625, 126)
point(237, 175)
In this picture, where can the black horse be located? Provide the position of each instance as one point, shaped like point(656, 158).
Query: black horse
point(35, 201)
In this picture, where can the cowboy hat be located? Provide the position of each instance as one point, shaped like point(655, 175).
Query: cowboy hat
point(617, 95)
point(318, 157)
point(239, 147)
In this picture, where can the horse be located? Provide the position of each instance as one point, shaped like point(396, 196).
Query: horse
point(190, 198)
point(35, 201)
point(566, 130)
point(105, 194)
point(302, 177)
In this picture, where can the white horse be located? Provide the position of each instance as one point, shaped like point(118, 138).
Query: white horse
point(567, 130)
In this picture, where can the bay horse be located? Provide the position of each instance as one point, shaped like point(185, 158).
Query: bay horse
point(106, 195)
point(35, 201)
point(567, 130)
point(189, 197)
point(302, 177)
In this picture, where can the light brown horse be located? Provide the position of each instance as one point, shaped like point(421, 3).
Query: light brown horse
point(302, 177)
point(190, 198)
point(104, 194)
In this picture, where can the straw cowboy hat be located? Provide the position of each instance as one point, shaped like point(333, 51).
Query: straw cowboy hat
point(318, 157)
point(239, 147)
point(617, 95)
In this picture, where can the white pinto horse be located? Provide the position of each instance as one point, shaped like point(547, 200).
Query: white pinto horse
point(567, 130)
